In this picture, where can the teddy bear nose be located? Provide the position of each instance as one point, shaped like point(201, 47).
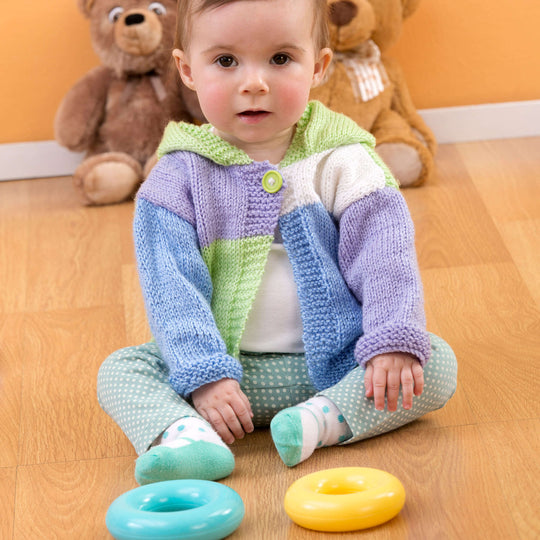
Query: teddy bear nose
point(134, 18)
point(342, 12)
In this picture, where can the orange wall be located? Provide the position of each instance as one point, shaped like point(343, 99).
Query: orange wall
point(463, 52)
point(454, 52)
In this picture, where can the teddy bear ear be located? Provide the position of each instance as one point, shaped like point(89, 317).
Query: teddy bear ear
point(85, 6)
point(409, 7)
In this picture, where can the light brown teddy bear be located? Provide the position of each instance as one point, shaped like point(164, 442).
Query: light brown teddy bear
point(117, 112)
point(369, 87)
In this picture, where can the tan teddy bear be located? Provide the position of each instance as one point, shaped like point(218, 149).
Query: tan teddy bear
point(369, 87)
point(117, 112)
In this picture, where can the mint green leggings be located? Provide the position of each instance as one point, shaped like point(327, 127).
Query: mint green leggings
point(133, 389)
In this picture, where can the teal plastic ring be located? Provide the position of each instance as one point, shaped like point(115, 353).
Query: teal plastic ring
point(187, 509)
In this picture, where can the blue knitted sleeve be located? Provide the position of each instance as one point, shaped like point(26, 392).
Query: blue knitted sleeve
point(177, 291)
point(378, 261)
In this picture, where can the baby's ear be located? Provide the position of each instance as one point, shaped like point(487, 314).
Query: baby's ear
point(321, 65)
point(183, 67)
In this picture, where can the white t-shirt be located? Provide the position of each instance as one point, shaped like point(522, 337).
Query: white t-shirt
point(274, 323)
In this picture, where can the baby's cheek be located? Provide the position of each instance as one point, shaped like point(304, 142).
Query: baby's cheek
point(294, 97)
point(212, 100)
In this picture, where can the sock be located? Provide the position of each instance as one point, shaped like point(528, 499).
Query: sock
point(187, 430)
point(298, 431)
point(188, 448)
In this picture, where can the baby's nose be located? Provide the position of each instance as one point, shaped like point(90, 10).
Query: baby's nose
point(254, 82)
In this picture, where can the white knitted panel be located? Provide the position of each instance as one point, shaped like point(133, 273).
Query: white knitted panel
point(336, 177)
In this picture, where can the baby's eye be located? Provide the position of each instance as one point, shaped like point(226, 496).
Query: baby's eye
point(226, 61)
point(280, 59)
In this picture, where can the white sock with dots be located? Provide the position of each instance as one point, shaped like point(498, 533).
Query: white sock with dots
point(298, 431)
point(189, 448)
point(187, 430)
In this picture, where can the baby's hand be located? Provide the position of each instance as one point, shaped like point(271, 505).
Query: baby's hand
point(226, 407)
point(385, 373)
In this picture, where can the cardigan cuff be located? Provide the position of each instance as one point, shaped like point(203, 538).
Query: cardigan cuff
point(210, 369)
point(388, 339)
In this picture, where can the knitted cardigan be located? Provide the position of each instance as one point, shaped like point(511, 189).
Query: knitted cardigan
point(204, 224)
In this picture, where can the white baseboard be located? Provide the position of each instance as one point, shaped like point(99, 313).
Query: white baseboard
point(449, 124)
point(36, 160)
point(484, 122)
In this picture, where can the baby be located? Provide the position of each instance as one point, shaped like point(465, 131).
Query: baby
point(277, 262)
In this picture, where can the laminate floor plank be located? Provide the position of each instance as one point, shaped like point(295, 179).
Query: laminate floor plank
point(69, 296)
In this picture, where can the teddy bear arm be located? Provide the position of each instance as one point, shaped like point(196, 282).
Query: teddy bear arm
point(404, 152)
point(414, 120)
point(403, 105)
point(390, 125)
point(82, 110)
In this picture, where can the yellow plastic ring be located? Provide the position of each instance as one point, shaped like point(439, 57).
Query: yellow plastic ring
point(344, 499)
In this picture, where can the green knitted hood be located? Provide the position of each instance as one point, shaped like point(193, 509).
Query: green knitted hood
point(319, 129)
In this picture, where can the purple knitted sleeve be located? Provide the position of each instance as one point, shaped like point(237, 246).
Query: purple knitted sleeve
point(378, 261)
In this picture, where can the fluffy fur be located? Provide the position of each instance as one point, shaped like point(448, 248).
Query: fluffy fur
point(403, 140)
point(116, 113)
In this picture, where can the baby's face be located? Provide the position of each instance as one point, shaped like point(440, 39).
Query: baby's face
point(252, 64)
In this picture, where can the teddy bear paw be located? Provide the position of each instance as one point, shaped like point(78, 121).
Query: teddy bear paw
point(105, 182)
point(403, 161)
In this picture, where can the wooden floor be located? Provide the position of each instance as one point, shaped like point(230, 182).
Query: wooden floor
point(69, 297)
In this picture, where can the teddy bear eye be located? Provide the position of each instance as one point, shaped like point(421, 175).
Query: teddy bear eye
point(157, 8)
point(115, 13)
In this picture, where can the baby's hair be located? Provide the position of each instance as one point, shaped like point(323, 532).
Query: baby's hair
point(188, 8)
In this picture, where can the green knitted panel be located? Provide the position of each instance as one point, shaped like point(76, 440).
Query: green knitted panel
point(236, 268)
point(200, 140)
point(321, 129)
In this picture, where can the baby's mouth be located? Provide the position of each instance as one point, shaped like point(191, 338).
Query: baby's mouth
point(253, 115)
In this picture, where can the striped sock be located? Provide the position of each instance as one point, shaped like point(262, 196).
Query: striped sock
point(298, 431)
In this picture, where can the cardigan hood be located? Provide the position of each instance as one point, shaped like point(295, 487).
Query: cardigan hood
point(318, 130)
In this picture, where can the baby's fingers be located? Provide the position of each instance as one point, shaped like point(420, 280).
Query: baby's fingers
point(412, 383)
point(379, 387)
point(232, 423)
point(216, 420)
point(392, 389)
point(407, 386)
point(418, 375)
point(368, 380)
point(242, 409)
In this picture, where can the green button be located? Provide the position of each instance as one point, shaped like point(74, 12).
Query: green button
point(272, 182)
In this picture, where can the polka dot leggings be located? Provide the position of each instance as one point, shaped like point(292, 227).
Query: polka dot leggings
point(133, 389)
